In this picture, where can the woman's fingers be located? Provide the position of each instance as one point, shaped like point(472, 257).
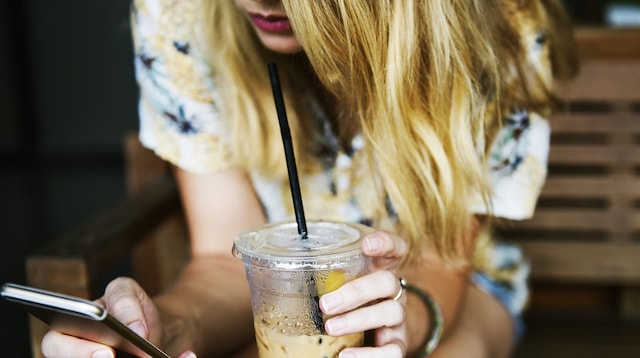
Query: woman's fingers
point(373, 287)
point(386, 318)
point(56, 344)
point(391, 350)
point(374, 302)
point(388, 313)
point(385, 249)
point(127, 302)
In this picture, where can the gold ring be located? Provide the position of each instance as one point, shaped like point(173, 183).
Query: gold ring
point(403, 285)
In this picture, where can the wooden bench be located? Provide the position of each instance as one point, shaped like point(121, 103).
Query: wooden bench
point(141, 235)
point(584, 236)
point(584, 240)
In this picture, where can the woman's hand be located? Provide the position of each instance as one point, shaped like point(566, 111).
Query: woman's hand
point(376, 295)
point(126, 301)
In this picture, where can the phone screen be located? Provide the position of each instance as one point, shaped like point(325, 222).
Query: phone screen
point(81, 318)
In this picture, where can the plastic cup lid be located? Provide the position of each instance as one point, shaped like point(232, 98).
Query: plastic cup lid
point(278, 246)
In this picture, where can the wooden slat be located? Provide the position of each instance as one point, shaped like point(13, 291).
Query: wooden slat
point(595, 154)
point(37, 330)
point(608, 43)
point(573, 298)
point(595, 122)
point(68, 275)
point(587, 219)
point(584, 262)
point(634, 223)
point(601, 80)
point(590, 187)
point(585, 333)
point(108, 237)
point(630, 301)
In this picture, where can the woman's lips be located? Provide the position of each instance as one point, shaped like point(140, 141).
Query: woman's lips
point(276, 24)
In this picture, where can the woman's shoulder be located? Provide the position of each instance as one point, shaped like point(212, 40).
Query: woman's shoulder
point(177, 19)
point(169, 9)
point(179, 118)
point(167, 58)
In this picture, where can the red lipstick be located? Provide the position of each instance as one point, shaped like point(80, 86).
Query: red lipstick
point(276, 24)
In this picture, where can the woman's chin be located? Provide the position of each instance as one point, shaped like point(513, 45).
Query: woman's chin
point(285, 44)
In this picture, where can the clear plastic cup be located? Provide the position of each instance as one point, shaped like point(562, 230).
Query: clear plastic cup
point(287, 275)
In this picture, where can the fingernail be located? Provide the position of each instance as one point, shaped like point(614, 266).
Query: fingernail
point(373, 243)
point(336, 325)
point(330, 301)
point(188, 355)
point(139, 328)
point(105, 353)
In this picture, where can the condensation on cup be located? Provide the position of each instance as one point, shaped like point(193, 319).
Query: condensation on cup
point(287, 275)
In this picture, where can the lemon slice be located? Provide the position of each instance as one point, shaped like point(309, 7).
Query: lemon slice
point(334, 280)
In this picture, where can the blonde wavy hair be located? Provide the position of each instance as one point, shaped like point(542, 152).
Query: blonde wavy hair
point(420, 80)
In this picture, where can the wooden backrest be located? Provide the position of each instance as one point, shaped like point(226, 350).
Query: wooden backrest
point(143, 232)
point(587, 222)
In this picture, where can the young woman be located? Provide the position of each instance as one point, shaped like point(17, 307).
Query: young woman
point(423, 119)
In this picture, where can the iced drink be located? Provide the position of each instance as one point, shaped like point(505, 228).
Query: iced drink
point(287, 274)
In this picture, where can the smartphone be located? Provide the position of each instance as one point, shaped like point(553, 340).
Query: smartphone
point(81, 318)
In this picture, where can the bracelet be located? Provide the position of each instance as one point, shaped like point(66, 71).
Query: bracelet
point(436, 317)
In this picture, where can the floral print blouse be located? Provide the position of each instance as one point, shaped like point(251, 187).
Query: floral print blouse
point(180, 122)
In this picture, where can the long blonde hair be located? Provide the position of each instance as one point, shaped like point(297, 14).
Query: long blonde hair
point(533, 85)
point(239, 63)
point(418, 78)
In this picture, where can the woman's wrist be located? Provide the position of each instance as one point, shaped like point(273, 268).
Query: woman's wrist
point(425, 321)
point(435, 321)
point(176, 331)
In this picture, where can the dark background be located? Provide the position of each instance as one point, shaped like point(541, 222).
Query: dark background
point(67, 96)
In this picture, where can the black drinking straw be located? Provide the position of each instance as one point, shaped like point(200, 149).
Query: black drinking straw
point(316, 314)
point(288, 150)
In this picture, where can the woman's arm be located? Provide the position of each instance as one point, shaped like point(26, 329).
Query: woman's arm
point(448, 288)
point(476, 324)
point(484, 329)
point(466, 310)
point(208, 308)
